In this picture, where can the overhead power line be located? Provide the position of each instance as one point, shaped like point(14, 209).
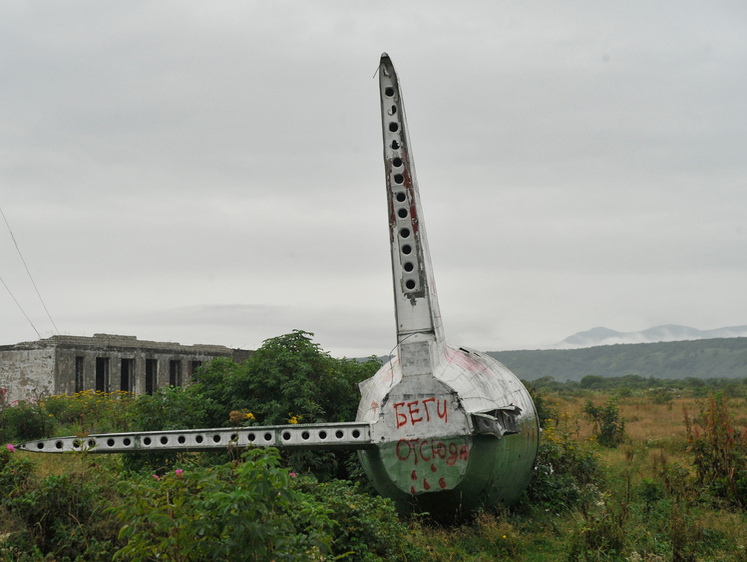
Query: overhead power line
point(20, 307)
point(30, 277)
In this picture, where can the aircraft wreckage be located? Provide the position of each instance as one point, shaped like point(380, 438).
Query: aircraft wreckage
point(439, 429)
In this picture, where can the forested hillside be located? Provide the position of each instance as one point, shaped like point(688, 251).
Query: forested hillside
point(724, 357)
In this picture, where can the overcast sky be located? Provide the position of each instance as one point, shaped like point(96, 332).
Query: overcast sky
point(211, 172)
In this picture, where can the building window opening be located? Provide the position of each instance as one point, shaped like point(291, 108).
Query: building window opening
point(151, 370)
point(79, 380)
point(193, 366)
point(127, 372)
point(102, 374)
point(175, 373)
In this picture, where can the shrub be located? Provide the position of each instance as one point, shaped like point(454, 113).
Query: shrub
point(90, 411)
point(15, 471)
point(25, 422)
point(565, 472)
point(661, 396)
point(546, 413)
point(63, 516)
point(287, 380)
point(366, 528)
point(168, 408)
point(238, 511)
point(56, 518)
point(609, 427)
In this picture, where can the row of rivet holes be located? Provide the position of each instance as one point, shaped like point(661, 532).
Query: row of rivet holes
point(400, 196)
point(216, 438)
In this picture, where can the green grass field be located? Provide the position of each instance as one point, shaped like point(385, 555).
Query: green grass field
point(672, 485)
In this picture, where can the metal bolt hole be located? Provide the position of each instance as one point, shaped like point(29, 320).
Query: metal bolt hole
point(389, 92)
point(410, 284)
point(397, 162)
point(408, 266)
point(404, 233)
point(406, 249)
point(401, 197)
point(399, 178)
point(393, 127)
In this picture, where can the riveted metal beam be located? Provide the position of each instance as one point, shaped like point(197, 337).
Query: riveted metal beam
point(354, 435)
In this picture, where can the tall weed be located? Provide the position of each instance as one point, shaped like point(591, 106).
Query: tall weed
point(719, 450)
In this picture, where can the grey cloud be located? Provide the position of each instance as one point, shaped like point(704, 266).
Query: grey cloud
point(579, 166)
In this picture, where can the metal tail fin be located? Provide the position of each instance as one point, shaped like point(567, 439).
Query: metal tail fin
point(416, 304)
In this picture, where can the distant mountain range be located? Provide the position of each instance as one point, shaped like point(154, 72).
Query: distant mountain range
point(702, 358)
point(663, 352)
point(667, 333)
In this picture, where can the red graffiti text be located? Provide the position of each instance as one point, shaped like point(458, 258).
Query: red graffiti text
point(420, 410)
point(431, 450)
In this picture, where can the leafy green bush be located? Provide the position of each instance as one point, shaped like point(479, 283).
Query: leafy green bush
point(661, 396)
point(546, 413)
point(287, 380)
point(255, 510)
point(90, 411)
point(565, 472)
point(237, 511)
point(15, 472)
point(366, 528)
point(168, 408)
point(609, 427)
point(25, 422)
point(55, 518)
point(63, 515)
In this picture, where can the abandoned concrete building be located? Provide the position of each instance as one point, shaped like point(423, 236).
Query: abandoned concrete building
point(107, 363)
